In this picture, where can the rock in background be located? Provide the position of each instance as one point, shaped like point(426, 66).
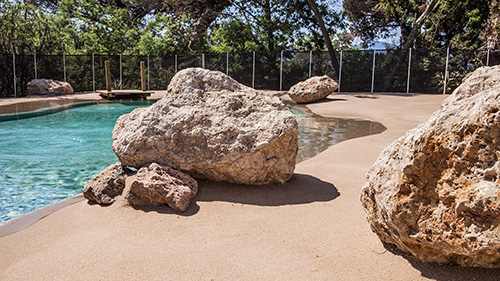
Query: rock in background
point(48, 87)
point(161, 185)
point(435, 192)
point(313, 89)
point(108, 184)
point(210, 126)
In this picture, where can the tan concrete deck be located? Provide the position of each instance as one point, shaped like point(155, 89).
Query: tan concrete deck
point(311, 228)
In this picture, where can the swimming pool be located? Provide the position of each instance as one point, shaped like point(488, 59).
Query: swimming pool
point(50, 157)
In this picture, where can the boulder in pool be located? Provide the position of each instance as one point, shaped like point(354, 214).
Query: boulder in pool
point(210, 126)
point(108, 184)
point(48, 87)
point(435, 192)
point(155, 184)
point(313, 89)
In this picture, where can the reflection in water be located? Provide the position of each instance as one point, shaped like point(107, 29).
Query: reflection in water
point(317, 133)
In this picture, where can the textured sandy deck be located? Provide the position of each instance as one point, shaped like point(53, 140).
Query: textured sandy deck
point(312, 228)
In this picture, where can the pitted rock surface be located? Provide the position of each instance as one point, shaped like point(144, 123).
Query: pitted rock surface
point(210, 126)
point(48, 87)
point(313, 89)
point(161, 185)
point(435, 192)
point(108, 184)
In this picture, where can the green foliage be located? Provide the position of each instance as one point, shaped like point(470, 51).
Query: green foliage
point(453, 22)
point(26, 28)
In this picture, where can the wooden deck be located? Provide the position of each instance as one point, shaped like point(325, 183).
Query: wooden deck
point(124, 94)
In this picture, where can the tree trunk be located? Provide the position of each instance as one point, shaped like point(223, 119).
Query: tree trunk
point(409, 41)
point(326, 35)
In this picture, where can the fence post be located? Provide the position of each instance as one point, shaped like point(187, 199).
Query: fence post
point(373, 71)
point(202, 60)
point(148, 72)
point(93, 74)
point(409, 73)
point(143, 76)
point(253, 71)
point(176, 63)
point(488, 58)
point(310, 62)
point(340, 70)
point(34, 60)
point(64, 66)
point(281, 71)
point(14, 72)
point(446, 70)
point(121, 81)
point(227, 63)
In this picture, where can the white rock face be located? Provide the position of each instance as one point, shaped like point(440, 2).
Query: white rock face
point(210, 126)
point(313, 89)
point(48, 87)
point(435, 192)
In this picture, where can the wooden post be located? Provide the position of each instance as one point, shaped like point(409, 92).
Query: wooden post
point(143, 76)
point(108, 76)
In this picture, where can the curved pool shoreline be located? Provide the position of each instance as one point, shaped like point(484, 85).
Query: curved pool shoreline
point(313, 227)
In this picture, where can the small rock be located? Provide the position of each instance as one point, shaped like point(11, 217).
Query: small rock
point(155, 184)
point(48, 87)
point(313, 89)
point(108, 184)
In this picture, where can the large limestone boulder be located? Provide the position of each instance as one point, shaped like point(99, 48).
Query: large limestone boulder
point(435, 192)
point(108, 184)
point(210, 126)
point(48, 87)
point(155, 184)
point(313, 89)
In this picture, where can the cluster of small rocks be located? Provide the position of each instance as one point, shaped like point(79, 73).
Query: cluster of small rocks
point(152, 184)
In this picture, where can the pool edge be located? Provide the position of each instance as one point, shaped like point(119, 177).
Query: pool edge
point(26, 220)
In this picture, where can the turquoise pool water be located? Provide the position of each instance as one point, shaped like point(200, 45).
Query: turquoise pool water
point(50, 157)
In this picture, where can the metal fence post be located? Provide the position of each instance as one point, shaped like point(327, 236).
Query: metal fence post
point(121, 86)
point(373, 71)
point(64, 66)
point(310, 63)
point(34, 60)
point(227, 63)
point(281, 71)
point(202, 60)
point(488, 58)
point(93, 73)
point(253, 71)
point(148, 72)
point(175, 63)
point(340, 70)
point(409, 73)
point(446, 70)
point(14, 72)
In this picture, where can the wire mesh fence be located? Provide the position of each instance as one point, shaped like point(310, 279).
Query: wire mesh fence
point(403, 71)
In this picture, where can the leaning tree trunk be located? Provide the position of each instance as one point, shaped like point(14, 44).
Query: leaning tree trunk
point(326, 35)
point(409, 41)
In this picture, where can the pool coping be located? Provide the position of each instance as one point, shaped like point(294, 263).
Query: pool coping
point(26, 220)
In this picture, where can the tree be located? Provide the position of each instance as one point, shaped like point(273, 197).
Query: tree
point(28, 29)
point(202, 14)
point(422, 23)
point(326, 34)
point(427, 24)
